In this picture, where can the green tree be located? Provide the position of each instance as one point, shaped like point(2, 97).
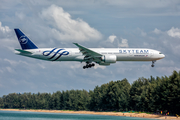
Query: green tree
point(96, 99)
point(1, 103)
point(138, 99)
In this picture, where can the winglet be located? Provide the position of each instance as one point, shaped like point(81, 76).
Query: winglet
point(76, 44)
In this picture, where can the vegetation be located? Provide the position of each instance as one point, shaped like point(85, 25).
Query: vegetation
point(153, 94)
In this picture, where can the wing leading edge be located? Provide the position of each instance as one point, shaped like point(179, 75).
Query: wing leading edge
point(89, 55)
point(87, 52)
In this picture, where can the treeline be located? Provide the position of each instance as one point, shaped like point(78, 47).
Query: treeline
point(152, 95)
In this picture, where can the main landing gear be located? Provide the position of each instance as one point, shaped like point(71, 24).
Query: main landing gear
point(88, 65)
point(153, 63)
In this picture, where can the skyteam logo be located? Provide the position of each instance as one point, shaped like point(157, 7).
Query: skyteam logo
point(23, 39)
point(55, 53)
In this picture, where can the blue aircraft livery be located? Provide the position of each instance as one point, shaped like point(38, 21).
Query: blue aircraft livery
point(134, 51)
point(55, 54)
point(24, 41)
point(90, 56)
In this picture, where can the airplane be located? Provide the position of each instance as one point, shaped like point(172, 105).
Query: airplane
point(101, 56)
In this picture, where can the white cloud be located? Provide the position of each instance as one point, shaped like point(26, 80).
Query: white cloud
point(12, 62)
point(20, 15)
point(111, 38)
point(7, 37)
point(66, 28)
point(143, 33)
point(4, 30)
point(76, 66)
point(174, 32)
point(99, 66)
point(157, 31)
point(9, 69)
point(113, 41)
point(124, 43)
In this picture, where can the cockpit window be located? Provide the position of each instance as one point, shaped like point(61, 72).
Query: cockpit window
point(160, 53)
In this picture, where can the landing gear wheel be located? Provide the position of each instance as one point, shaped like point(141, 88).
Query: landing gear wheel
point(88, 65)
point(153, 63)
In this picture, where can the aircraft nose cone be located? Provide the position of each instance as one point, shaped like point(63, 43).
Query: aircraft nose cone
point(163, 56)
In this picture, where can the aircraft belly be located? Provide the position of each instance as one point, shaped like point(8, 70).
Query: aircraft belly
point(134, 58)
point(68, 58)
point(37, 56)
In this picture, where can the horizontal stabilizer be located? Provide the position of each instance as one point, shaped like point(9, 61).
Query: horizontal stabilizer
point(23, 51)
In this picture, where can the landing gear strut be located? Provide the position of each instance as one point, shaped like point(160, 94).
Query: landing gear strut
point(88, 65)
point(153, 63)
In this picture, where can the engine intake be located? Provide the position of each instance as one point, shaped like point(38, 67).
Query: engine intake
point(109, 58)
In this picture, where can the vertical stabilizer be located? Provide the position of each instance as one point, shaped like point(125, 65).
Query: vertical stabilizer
point(24, 41)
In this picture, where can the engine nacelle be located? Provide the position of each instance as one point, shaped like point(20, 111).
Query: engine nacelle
point(109, 58)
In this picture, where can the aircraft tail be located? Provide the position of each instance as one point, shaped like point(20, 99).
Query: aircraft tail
point(24, 41)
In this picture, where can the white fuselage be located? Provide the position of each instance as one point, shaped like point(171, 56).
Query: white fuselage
point(74, 54)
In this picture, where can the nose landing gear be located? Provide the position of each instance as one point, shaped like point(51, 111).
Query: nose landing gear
point(153, 63)
point(88, 65)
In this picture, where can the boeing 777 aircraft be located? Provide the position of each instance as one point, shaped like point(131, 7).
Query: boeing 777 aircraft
point(101, 56)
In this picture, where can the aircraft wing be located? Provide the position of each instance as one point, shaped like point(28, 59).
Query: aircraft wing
point(89, 54)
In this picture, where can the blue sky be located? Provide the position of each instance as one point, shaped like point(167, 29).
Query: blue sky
point(94, 23)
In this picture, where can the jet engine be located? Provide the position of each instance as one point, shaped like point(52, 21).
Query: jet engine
point(109, 58)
